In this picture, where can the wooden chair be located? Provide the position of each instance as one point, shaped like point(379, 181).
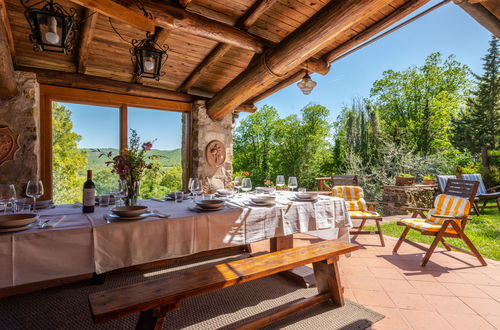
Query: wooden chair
point(344, 180)
point(447, 219)
point(359, 209)
point(155, 298)
point(483, 194)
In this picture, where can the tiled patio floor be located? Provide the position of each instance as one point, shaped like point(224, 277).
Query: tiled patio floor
point(451, 292)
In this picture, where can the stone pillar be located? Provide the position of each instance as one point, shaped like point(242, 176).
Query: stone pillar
point(204, 130)
point(21, 115)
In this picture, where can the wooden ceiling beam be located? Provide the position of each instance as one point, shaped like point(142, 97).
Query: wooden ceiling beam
point(184, 3)
point(279, 86)
point(86, 36)
point(253, 14)
point(81, 81)
point(316, 33)
point(375, 28)
point(5, 18)
point(482, 15)
point(8, 85)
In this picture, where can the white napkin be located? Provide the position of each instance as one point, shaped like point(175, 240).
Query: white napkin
point(52, 223)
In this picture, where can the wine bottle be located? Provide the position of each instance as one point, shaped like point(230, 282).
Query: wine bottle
point(88, 194)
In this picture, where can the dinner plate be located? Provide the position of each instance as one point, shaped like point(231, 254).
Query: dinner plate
point(19, 228)
point(113, 216)
point(296, 199)
point(250, 203)
point(17, 219)
point(129, 211)
point(200, 209)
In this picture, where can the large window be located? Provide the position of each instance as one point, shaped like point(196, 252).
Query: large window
point(82, 133)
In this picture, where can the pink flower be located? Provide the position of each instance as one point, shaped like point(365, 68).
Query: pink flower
point(147, 146)
point(246, 173)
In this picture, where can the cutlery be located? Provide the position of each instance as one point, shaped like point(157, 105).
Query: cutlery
point(44, 223)
point(158, 214)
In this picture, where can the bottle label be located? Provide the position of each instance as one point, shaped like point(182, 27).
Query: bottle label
point(89, 197)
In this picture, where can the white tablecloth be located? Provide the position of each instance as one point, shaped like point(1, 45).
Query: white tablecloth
point(85, 243)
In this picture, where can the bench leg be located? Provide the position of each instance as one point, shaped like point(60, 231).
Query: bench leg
point(328, 279)
point(153, 319)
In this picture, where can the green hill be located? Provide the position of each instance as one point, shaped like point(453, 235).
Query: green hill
point(168, 158)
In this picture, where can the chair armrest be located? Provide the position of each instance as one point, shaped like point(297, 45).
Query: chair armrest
point(493, 189)
point(450, 217)
point(411, 208)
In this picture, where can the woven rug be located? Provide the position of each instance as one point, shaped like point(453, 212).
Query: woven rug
point(67, 307)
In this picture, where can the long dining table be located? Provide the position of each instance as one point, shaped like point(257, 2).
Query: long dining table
point(75, 244)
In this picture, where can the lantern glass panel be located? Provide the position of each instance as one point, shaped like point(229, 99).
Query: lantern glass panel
point(50, 31)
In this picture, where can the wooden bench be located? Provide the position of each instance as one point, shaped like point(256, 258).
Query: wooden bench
point(153, 299)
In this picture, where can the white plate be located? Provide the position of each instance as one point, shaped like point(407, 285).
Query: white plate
point(14, 229)
point(113, 216)
point(296, 199)
point(200, 209)
point(250, 203)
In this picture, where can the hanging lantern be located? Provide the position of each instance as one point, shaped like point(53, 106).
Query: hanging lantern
point(148, 57)
point(52, 27)
point(306, 85)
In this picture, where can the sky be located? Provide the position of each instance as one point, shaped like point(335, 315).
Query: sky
point(448, 30)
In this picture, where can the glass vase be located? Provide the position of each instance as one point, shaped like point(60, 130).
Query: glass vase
point(132, 198)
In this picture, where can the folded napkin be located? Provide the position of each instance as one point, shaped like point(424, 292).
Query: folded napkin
point(51, 222)
point(158, 199)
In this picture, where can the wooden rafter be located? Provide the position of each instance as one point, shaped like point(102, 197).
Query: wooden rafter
point(184, 3)
point(114, 10)
point(316, 33)
point(482, 15)
point(86, 36)
point(279, 86)
point(5, 18)
point(375, 28)
point(252, 15)
point(8, 86)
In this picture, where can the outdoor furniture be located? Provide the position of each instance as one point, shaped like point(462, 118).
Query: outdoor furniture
point(153, 299)
point(447, 219)
point(344, 180)
point(359, 209)
point(483, 194)
point(442, 180)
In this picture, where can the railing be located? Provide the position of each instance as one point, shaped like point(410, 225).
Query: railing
point(323, 184)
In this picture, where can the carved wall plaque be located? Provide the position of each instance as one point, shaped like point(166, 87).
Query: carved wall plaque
point(215, 153)
point(8, 144)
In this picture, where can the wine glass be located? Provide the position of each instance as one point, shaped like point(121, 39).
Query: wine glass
point(7, 195)
point(34, 189)
point(120, 191)
point(195, 187)
point(237, 183)
point(246, 185)
point(292, 182)
point(280, 181)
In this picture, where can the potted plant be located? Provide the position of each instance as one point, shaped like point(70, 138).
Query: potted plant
point(429, 180)
point(405, 179)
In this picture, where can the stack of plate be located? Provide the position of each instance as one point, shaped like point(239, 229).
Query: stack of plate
point(306, 196)
point(42, 203)
point(223, 192)
point(265, 190)
point(17, 221)
point(262, 200)
point(129, 213)
point(207, 205)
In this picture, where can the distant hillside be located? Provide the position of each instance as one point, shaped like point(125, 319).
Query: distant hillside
point(168, 158)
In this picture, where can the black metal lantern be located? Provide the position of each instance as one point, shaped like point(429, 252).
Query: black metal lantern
point(52, 27)
point(148, 57)
point(306, 85)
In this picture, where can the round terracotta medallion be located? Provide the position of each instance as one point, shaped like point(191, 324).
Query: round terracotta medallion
point(216, 153)
point(8, 144)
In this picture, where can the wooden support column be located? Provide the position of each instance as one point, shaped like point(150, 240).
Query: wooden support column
point(316, 33)
point(86, 36)
point(123, 126)
point(5, 18)
point(482, 15)
point(8, 85)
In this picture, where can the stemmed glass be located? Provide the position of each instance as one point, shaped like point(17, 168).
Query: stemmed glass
point(120, 191)
point(34, 189)
point(292, 183)
point(280, 181)
point(246, 185)
point(195, 187)
point(237, 183)
point(7, 195)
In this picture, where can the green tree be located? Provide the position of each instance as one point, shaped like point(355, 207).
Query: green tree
point(479, 124)
point(416, 105)
point(68, 162)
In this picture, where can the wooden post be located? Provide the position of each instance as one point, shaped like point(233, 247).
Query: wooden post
point(5, 18)
point(123, 127)
point(484, 157)
point(8, 85)
point(327, 276)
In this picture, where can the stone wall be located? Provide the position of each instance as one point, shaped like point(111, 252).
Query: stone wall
point(21, 114)
point(204, 130)
point(396, 197)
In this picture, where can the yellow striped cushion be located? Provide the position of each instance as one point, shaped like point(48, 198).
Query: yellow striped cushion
point(424, 224)
point(353, 195)
point(363, 214)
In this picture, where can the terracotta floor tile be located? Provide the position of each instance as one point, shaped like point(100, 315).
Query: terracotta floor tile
point(397, 286)
point(393, 319)
point(483, 306)
point(361, 282)
point(373, 298)
point(467, 322)
point(492, 291)
point(349, 294)
point(450, 278)
point(478, 278)
point(493, 320)
point(425, 320)
point(447, 304)
point(421, 276)
point(410, 301)
point(465, 290)
point(431, 288)
point(390, 273)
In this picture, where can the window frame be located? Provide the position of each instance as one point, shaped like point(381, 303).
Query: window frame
point(50, 94)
